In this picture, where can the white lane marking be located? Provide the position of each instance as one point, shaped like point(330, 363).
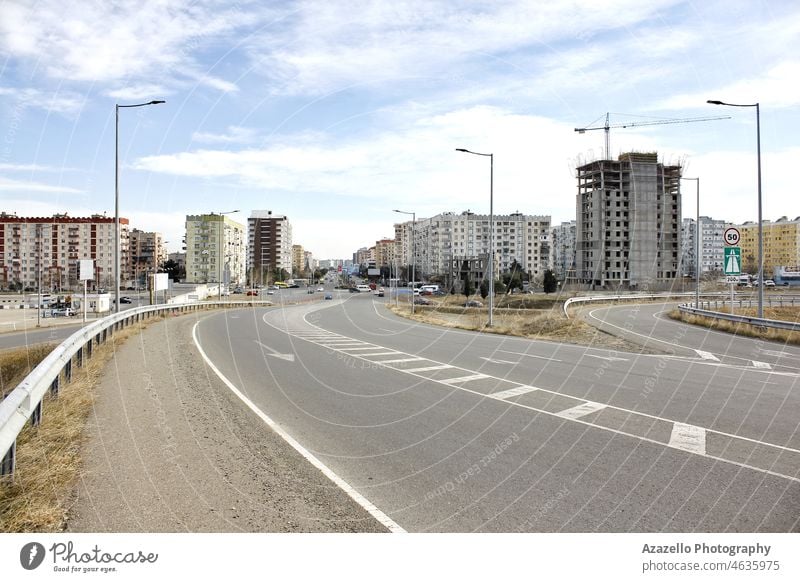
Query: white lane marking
point(402, 360)
point(388, 522)
point(707, 355)
point(462, 379)
point(581, 410)
point(598, 426)
point(688, 437)
point(608, 358)
point(274, 353)
point(512, 392)
point(493, 361)
point(366, 347)
point(529, 355)
point(382, 354)
point(764, 365)
point(777, 354)
point(428, 368)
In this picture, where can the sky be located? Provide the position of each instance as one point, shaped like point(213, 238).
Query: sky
point(335, 113)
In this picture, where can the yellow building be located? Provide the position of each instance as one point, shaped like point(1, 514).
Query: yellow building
point(781, 245)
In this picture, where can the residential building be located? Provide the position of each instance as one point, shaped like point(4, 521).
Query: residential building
point(270, 243)
point(50, 248)
point(444, 238)
point(385, 253)
point(215, 249)
point(564, 250)
point(628, 222)
point(711, 245)
point(147, 253)
point(298, 260)
point(781, 245)
point(363, 255)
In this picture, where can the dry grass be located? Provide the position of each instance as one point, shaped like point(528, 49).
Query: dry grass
point(745, 329)
point(48, 456)
point(16, 363)
point(542, 324)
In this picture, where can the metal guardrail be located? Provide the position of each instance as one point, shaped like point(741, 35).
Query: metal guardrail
point(25, 401)
point(686, 308)
point(631, 297)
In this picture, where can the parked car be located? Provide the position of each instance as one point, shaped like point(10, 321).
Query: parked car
point(310, 291)
point(379, 292)
point(422, 301)
point(473, 303)
point(273, 287)
point(238, 290)
point(64, 312)
point(252, 292)
point(320, 289)
point(328, 296)
point(769, 283)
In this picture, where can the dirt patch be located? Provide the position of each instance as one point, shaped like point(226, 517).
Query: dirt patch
point(789, 314)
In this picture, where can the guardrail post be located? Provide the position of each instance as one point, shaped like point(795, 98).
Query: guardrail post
point(54, 386)
point(68, 371)
point(79, 357)
point(8, 463)
point(36, 415)
point(89, 348)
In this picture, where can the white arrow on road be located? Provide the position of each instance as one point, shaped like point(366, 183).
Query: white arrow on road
point(274, 353)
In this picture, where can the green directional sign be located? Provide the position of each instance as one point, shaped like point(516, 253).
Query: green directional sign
point(733, 260)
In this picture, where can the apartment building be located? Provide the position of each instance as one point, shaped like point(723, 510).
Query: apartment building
point(147, 253)
point(711, 246)
point(563, 236)
point(628, 222)
point(270, 243)
point(215, 249)
point(50, 248)
point(298, 259)
point(781, 244)
point(441, 239)
point(385, 253)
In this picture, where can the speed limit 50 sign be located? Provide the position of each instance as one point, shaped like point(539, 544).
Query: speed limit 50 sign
point(731, 236)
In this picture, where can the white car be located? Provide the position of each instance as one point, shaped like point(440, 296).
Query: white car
point(320, 289)
point(769, 283)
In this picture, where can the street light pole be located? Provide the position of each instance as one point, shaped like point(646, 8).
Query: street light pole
point(760, 314)
point(697, 247)
point(491, 229)
point(413, 254)
point(117, 276)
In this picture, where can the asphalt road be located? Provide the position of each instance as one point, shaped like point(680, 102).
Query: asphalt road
point(446, 430)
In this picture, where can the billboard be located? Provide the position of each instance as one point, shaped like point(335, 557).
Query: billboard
point(86, 270)
point(373, 272)
point(161, 282)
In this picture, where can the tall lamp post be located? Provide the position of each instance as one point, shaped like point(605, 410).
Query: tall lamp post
point(221, 255)
point(116, 199)
point(491, 228)
point(760, 221)
point(696, 247)
point(413, 253)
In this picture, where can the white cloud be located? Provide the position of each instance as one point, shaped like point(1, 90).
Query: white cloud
point(6, 184)
point(139, 92)
point(61, 101)
point(234, 134)
point(34, 168)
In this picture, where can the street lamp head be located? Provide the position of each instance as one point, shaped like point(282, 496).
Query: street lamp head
point(156, 102)
point(715, 102)
point(462, 150)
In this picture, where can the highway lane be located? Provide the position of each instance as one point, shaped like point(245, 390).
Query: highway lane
point(441, 439)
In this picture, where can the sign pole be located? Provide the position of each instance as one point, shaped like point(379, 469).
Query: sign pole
point(731, 298)
point(84, 300)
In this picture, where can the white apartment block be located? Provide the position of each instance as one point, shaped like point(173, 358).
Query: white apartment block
point(711, 246)
point(564, 250)
point(215, 249)
point(442, 238)
point(269, 243)
point(49, 248)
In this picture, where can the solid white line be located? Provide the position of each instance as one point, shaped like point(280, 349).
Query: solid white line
point(358, 349)
point(429, 368)
point(402, 360)
point(581, 410)
point(462, 379)
point(388, 522)
point(707, 355)
point(764, 365)
point(688, 437)
point(382, 354)
point(529, 355)
point(513, 392)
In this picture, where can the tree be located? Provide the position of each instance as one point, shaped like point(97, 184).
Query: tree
point(175, 271)
point(469, 288)
point(549, 282)
point(499, 287)
point(484, 290)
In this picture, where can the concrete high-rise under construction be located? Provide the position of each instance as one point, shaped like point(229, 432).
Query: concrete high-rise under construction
point(628, 223)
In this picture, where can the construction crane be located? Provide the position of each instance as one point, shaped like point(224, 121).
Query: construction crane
point(607, 127)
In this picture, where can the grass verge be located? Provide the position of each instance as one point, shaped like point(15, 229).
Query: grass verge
point(746, 329)
point(16, 363)
point(48, 456)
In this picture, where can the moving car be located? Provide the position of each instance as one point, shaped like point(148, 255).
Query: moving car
point(769, 283)
point(125, 300)
point(422, 301)
point(252, 292)
point(65, 312)
point(328, 296)
point(473, 303)
point(362, 288)
point(379, 292)
point(320, 289)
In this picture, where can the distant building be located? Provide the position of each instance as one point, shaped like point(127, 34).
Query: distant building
point(711, 246)
point(628, 222)
point(147, 253)
point(298, 259)
point(51, 247)
point(564, 250)
point(270, 243)
point(215, 249)
point(781, 245)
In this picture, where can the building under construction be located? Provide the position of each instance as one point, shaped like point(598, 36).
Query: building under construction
point(628, 223)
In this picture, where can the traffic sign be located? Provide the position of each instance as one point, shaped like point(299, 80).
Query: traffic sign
point(732, 236)
point(733, 261)
point(733, 279)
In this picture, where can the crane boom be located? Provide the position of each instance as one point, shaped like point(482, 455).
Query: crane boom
point(607, 127)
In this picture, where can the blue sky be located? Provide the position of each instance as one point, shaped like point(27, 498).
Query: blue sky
point(335, 113)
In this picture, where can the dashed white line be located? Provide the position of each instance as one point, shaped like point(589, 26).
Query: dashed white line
point(580, 410)
point(707, 355)
point(688, 437)
point(429, 368)
point(462, 379)
point(513, 392)
point(402, 360)
point(763, 365)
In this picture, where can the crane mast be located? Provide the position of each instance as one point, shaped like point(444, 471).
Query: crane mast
point(607, 127)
